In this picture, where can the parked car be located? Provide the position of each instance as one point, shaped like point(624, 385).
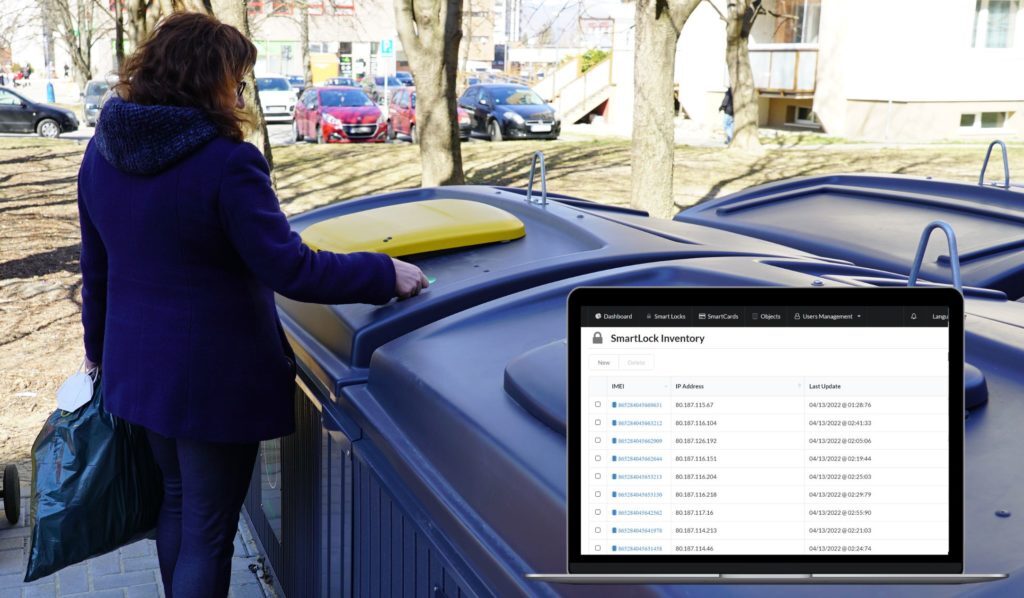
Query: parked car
point(342, 82)
point(298, 83)
point(277, 98)
point(502, 111)
point(405, 77)
point(93, 98)
point(402, 116)
point(383, 96)
point(338, 115)
point(19, 114)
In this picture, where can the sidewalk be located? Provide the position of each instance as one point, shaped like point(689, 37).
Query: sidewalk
point(131, 572)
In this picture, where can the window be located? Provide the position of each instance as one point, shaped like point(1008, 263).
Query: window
point(995, 23)
point(799, 24)
point(801, 115)
point(983, 120)
point(9, 99)
point(343, 8)
point(315, 8)
point(282, 7)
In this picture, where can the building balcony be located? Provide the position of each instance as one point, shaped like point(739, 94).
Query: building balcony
point(784, 69)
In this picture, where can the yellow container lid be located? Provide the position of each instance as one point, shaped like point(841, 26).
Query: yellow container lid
point(415, 227)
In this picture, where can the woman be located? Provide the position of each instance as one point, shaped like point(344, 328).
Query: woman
point(183, 247)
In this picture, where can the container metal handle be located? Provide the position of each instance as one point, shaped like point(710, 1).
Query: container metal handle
point(954, 255)
point(1006, 164)
point(543, 179)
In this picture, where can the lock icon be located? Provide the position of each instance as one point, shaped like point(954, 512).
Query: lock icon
point(597, 338)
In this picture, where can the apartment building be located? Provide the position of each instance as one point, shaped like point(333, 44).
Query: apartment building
point(911, 70)
point(345, 36)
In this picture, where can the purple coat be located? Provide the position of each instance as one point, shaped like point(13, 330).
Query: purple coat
point(183, 247)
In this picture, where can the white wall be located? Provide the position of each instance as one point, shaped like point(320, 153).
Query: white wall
point(920, 50)
point(700, 63)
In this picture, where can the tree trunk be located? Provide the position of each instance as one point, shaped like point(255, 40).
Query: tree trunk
point(307, 64)
point(658, 24)
point(118, 34)
point(234, 13)
point(465, 46)
point(744, 94)
point(430, 32)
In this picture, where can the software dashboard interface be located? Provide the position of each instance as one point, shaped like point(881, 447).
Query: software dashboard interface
point(764, 430)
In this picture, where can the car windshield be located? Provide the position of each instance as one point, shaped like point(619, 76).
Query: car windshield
point(391, 81)
point(273, 84)
point(347, 97)
point(96, 88)
point(515, 96)
point(296, 80)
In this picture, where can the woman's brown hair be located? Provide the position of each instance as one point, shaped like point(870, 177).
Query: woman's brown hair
point(192, 59)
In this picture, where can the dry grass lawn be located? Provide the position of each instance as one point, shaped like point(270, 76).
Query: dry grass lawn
point(40, 336)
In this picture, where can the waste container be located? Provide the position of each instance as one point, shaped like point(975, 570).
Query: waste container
point(429, 452)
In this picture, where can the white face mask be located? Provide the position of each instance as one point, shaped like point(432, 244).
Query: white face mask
point(76, 390)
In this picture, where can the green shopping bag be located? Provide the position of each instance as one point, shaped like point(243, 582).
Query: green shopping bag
point(95, 487)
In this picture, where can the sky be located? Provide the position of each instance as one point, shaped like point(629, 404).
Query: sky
point(564, 14)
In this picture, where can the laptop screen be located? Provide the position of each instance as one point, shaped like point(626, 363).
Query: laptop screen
point(765, 429)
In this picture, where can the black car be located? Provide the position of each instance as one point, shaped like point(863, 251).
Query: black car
point(502, 111)
point(19, 114)
point(405, 77)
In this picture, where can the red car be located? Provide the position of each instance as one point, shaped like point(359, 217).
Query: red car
point(402, 116)
point(335, 114)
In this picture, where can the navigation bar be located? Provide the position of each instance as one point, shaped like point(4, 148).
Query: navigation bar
point(766, 316)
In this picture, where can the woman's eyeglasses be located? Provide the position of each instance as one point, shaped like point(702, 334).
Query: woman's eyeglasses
point(241, 88)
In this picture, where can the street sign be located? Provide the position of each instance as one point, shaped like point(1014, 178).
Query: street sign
point(387, 47)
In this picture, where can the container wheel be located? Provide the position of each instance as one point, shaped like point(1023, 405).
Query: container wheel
point(12, 494)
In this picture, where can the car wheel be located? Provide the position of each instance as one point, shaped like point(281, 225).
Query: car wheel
point(413, 137)
point(495, 130)
point(319, 136)
point(295, 130)
point(48, 128)
point(391, 132)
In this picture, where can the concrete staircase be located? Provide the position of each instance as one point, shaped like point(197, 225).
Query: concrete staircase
point(574, 95)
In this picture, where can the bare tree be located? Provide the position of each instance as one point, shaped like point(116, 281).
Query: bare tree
point(658, 25)
point(12, 22)
point(234, 13)
point(430, 31)
point(307, 63)
point(78, 30)
point(738, 22)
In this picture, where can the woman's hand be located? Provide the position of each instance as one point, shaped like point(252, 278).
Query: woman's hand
point(409, 279)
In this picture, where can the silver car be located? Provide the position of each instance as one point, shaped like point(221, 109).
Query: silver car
point(95, 94)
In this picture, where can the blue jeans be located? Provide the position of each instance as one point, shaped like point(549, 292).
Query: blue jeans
point(727, 122)
point(204, 486)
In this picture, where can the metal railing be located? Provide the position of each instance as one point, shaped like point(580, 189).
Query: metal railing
point(954, 254)
point(786, 70)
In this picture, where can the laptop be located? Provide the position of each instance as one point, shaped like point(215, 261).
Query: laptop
point(765, 435)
